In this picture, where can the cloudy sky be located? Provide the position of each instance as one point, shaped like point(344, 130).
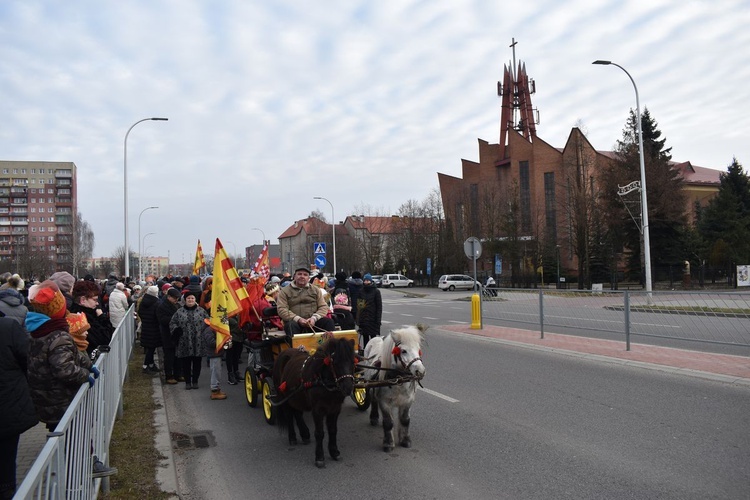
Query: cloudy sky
point(273, 102)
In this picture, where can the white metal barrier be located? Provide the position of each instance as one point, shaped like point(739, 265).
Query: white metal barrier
point(63, 469)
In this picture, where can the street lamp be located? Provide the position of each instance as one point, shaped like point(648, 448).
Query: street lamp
point(235, 253)
point(261, 232)
point(644, 201)
point(143, 244)
point(140, 272)
point(125, 183)
point(333, 225)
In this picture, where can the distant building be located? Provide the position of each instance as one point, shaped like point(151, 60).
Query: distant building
point(38, 206)
point(274, 257)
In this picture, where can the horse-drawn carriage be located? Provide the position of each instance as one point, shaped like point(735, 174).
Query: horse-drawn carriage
point(315, 371)
point(263, 354)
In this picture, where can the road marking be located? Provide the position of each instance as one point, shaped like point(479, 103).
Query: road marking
point(426, 317)
point(457, 322)
point(402, 314)
point(437, 394)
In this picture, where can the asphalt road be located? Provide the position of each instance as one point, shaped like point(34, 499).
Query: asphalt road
point(496, 421)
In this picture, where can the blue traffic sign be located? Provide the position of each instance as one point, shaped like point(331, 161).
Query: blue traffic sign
point(319, 248)
point(320, 260)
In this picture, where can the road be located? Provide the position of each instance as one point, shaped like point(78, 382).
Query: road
point(496, 421)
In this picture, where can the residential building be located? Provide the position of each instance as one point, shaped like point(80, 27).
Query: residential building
point(38, 207)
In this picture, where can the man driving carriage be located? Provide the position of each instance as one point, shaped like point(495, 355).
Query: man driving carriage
point(302, 307)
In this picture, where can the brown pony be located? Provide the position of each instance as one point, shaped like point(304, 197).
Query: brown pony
point(317, 383)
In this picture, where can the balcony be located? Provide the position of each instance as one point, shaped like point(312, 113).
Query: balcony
point(63, 173)
point(63, 201)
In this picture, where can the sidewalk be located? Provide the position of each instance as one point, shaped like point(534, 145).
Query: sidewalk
point(721, 367)
point(724, 367)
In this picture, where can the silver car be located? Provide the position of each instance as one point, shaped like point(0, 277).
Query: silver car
point(452, 282)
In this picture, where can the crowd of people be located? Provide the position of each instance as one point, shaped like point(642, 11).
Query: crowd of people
point(52, 331)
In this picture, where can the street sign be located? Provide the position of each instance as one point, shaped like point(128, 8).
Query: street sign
point(473, 247)
point(320, 260)
point(319, 248)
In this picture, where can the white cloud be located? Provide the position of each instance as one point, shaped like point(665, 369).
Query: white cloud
point(272, 103)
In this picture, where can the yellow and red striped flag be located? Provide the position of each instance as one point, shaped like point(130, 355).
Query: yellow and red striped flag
point(228, 296)
point(199, 261)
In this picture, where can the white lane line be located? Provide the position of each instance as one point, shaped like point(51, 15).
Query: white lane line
point(427, 317)
point(404, 314)
point(458, 322)
point(437, 394)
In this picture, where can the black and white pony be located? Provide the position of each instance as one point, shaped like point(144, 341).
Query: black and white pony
point(317, 383)
point(399, 357)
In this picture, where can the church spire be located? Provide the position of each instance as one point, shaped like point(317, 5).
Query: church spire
point(516, 113)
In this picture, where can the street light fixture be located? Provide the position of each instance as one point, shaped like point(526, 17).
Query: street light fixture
point(333, 226)
point(644, 200)
point(125, 183)
point(140, 262)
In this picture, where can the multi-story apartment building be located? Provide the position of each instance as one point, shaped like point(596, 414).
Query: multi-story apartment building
point(37, 215)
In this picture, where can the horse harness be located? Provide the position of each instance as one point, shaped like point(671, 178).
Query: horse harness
point(401, 376)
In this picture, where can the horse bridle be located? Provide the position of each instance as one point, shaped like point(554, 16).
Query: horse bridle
point(327, 361)
point(396, 352)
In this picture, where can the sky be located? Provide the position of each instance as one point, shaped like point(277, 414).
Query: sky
point(271, 103)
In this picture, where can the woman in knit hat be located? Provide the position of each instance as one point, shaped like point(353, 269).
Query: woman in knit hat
point(56, 369)
point(86, 300)
point(64, 281)
point(186, 326)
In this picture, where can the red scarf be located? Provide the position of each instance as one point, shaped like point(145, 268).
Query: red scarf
point(50, 326)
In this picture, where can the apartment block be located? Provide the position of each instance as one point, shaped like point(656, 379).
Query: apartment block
point(38, 203)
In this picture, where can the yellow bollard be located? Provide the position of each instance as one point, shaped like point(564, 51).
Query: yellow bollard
point(476, 314)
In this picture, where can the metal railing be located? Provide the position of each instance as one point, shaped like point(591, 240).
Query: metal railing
point(63, 469)
point(710, 317)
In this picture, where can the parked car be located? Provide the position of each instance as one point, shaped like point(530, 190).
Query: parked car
point(394, 280)
point(377, 279)
point(452, 282)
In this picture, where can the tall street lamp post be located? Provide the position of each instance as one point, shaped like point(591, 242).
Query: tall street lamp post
point(125, 183)
point(140, 262)
point(644, 201)
point(234, 261)
point(142, 244)
point(333, 226)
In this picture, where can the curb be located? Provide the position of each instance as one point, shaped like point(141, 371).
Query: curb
point(166, 473)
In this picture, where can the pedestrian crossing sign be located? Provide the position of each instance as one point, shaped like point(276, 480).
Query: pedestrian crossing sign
point(319, 248)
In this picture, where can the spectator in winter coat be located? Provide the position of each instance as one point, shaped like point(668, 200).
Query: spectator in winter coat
point(166, 308)
point(214, 360)
point(369, 310)
point(150, 334)
point(17, 412)
point(118, 304)
point(194, 285)
point(64, 281)
point(56, 369)
point(186, 326)
point(86, 300)
point(355, 288)
point(12, 305)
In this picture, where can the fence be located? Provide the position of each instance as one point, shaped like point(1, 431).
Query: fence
point(63, 469)
point(712, 317)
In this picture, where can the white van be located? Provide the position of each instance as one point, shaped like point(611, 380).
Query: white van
point(394, 280)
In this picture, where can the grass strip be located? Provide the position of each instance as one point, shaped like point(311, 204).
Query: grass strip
point(132, 448)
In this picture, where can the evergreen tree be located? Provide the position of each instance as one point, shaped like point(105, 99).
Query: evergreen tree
point(666, 198)
point(725, 223)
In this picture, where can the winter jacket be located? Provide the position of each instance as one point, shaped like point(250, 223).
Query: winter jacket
point(209, 342)
point(118, 306)
point(17, 411)
point(100, 331)
point(164, 312)
point(294, 303)
point(186, 326)
point(56, 367)
point(150, 333)
point(12, 305)
point(355, 289)
point(369, 310)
